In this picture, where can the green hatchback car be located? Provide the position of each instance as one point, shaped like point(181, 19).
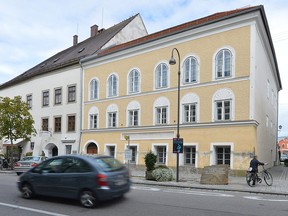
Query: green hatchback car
point(87, 178)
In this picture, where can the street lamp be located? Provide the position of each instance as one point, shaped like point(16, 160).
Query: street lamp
point(172, 61)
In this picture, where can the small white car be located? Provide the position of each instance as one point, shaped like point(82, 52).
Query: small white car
point(28, 162)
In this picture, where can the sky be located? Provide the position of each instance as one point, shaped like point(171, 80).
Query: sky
point(33, 30)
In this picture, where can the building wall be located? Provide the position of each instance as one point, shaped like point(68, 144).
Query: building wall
point(206, 134)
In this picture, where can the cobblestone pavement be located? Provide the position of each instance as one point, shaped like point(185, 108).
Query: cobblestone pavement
point(279, 187)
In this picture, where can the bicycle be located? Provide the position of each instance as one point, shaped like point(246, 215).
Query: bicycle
point(254, 177)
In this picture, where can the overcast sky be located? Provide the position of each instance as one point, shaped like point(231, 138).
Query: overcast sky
point(33, 30)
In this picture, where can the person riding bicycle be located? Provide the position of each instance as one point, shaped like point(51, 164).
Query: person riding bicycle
point(254, 163)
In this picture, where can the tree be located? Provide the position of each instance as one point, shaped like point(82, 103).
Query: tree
point(16, 122)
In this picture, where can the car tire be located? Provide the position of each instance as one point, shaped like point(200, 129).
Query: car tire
point(87, 199)
point(27, 191)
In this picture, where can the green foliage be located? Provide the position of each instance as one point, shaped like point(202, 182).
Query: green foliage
point(150, 160)
point(15, 119)
point(29, 154)
point(162, 173)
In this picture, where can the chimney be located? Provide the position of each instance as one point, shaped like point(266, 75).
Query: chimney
point(94, 30)
point(75, 40)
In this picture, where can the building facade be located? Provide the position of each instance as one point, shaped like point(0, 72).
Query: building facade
point(229, 84)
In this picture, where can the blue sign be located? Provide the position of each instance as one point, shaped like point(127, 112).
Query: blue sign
point(177, 145)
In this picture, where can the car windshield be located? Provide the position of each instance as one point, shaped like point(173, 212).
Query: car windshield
point(32, 158)
point(109, 164)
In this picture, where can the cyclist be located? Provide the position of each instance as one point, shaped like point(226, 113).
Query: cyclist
point(254, 163)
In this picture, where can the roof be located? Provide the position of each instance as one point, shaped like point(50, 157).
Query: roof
point(71, 55)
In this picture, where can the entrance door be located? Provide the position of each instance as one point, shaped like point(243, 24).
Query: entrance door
point(54, 151)
point(92, 149)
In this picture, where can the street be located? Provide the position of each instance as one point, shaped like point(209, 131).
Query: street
point(146, 200)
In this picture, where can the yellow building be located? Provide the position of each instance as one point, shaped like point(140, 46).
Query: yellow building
point(228, 104)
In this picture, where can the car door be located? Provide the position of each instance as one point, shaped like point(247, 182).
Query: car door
point(46, 177)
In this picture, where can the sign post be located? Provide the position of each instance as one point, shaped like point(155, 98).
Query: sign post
point(177, 148)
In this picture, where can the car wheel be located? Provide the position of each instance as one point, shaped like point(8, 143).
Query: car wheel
point(27, 191)
point(88, 199)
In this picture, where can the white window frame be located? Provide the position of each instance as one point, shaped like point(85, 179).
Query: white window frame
point(111, 109)
point(94, 89)
point(223, 95)
point(232, 62)
point(223, 110)
point(161, 102)
point(107, 149)
point(160, 76)
point(134, 82)
point(191, 73)
point(213, 157)
point(112, 85)
point(155, 151)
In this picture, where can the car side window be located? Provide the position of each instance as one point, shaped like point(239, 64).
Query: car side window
point(75, 165)
point(52, 166)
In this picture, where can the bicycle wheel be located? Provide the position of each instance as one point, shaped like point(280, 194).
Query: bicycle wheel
point(268, 178)
point(250, 178)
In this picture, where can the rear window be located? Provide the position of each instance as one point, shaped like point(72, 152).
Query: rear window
point(31, 158)
point(109, 164)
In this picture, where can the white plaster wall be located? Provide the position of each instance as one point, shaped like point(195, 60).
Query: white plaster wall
point(61, 78)
point(262, 105)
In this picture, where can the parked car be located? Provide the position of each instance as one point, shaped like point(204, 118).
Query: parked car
point(28, 162)
point(284, 155)
point(87, 178)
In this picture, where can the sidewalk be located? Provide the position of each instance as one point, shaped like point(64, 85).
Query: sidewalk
point(279, 187)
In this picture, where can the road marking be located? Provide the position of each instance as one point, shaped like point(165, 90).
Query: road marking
point(200, 193)
point(32, 209)
point(263, 199)
point(145, 188)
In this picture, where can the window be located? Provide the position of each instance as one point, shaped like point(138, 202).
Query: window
point(58, 96)
point(29, 101)
point(93, 89)
point(111, 151)
point(161, 154)
point(133, 117)
point(68, 149)
point(161, 75)
point(190, 70)
point(112, 86)
point(223, 110)
point(189, 113)
point(112, 119)
point(45, 124)
point(134, 154)
point(133, 81)
point(161, 115)
point(57, 126)
point(45, 98)
point(93, 121)
point(71, 123)
point(223, 63)
point(71, 94)
point(189, 155)
point(223, 154)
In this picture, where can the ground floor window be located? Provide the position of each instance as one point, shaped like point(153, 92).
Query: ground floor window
point(68, 149)
point(189, 155)
point(134, 154)
point(223, 154)
point(161, 154)
point(111, 150)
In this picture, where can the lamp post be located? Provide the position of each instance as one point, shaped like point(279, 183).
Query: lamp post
point(172, 61)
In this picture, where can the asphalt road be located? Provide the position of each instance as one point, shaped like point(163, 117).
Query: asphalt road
point(146, 200)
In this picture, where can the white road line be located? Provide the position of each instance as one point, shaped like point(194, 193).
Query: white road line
point(263, 199)
point(32, 209)
point(145, 188)
point(200, 193)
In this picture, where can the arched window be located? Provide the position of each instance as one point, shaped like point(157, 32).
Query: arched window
point(134, 81)
point(223, 62)
point(112, 85)
point(161, 111)
point(223, 105)
point(93, 89)
point(93, 116)
point(133, 114)
point(161, 76)
point(190, 70)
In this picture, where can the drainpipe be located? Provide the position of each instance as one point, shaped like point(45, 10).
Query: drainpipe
point(81, 105)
